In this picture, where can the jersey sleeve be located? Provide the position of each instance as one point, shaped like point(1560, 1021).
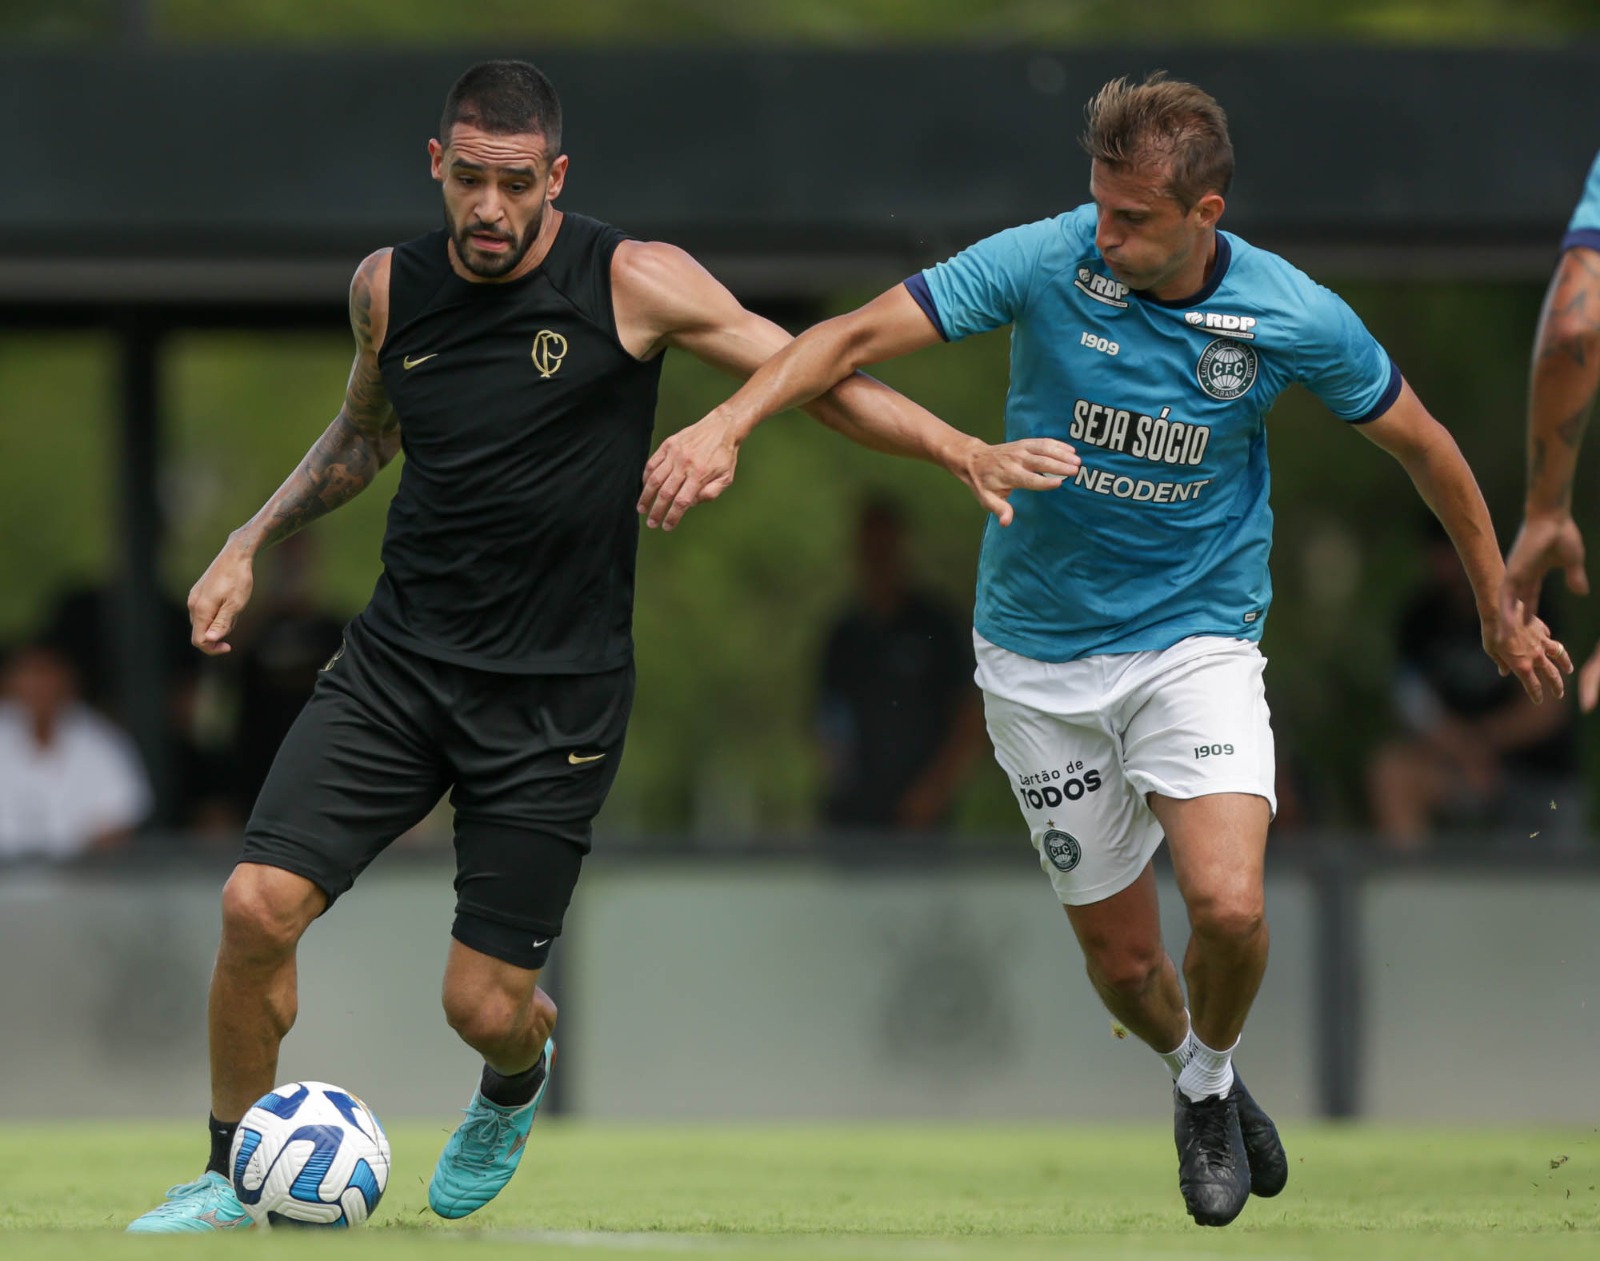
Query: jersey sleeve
point(1584, 230)
point(1343, 364)
point(984, 286)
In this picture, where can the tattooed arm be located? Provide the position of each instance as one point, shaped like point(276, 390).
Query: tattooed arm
point(1565, 377)
point(363, 437)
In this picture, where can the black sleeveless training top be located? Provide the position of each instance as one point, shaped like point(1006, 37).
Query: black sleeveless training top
point(512, 536)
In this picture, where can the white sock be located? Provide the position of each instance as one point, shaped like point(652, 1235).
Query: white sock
point(1207, 1073)
point(1179, 1056)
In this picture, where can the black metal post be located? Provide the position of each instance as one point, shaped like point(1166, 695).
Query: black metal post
point(1336, 890)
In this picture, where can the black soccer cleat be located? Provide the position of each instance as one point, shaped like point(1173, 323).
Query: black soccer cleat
point(1269, 1166)
point(1213, 1168)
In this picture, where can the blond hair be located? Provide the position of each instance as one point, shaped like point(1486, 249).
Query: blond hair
point(1163, 122)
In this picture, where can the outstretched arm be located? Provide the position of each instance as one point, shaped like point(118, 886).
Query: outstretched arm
point(1561, 391)
point(363, 437)
point(665, 298)
point(1440, 473)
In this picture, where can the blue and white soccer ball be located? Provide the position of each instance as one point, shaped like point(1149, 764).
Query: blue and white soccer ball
point(309, 1154)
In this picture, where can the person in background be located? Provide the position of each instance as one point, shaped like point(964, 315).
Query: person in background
point(1477, 752)
point(84, 625)
point(899, 719)
point(70, 780)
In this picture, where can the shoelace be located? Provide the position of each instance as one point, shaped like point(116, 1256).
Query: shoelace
point(185, 1191)
point(483, 1135)
point(1210, 1133)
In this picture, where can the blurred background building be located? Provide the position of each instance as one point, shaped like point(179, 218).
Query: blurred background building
point(197, 184)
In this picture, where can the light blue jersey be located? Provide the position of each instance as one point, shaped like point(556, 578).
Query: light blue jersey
point(1165, 531)
point(1584, 229)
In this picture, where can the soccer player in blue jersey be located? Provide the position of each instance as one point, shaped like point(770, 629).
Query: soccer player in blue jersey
point(1118, 615)
point(1561, 394)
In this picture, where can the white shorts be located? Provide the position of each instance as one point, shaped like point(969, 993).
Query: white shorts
point(1085, 741)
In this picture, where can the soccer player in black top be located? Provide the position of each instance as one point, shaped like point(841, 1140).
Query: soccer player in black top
point(515, 356)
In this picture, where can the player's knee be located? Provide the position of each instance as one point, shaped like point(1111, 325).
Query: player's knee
point(484, 1020)
point(1227, 916)
point(1127, 970)
point(265, 911)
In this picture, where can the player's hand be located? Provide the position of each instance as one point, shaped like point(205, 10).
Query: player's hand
point(691, 467)
point(993, 472)
point(1545, 542)
point(1521, 644)
point(216, 601)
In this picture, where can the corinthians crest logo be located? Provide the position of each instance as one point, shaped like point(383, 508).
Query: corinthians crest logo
point(1226, 370)
point(549, 349)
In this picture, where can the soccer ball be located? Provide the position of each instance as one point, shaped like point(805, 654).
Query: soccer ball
point(309, 1154)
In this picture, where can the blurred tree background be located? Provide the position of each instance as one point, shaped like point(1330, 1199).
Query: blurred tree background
point(825, 22)
point(733, 606)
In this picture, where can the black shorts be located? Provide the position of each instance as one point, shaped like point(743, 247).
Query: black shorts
point(527, 759)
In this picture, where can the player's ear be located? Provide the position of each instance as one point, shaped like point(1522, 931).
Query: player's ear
point(436, 161)
point(558, 177)
point(1209, 208)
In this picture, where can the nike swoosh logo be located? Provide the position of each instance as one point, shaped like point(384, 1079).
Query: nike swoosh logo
point(543, 941)
point(411, 363)
point(578, 759)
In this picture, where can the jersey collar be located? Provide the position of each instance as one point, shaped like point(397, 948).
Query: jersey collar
point(1224, 258)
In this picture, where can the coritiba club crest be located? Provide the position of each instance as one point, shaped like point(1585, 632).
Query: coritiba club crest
point(1062, 849)
point(1227, 369)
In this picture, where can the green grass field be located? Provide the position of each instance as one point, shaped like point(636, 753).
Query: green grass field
point(883, 1192)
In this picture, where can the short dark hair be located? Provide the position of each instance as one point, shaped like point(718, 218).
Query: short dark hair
point(1162, 120)
point(504, 98)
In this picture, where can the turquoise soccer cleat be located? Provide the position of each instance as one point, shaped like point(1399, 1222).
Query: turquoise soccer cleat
point(484, 1151)
point(208, 1203)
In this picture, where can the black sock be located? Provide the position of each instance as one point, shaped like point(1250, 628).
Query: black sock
point(221, 1141)
point(514, 1091)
